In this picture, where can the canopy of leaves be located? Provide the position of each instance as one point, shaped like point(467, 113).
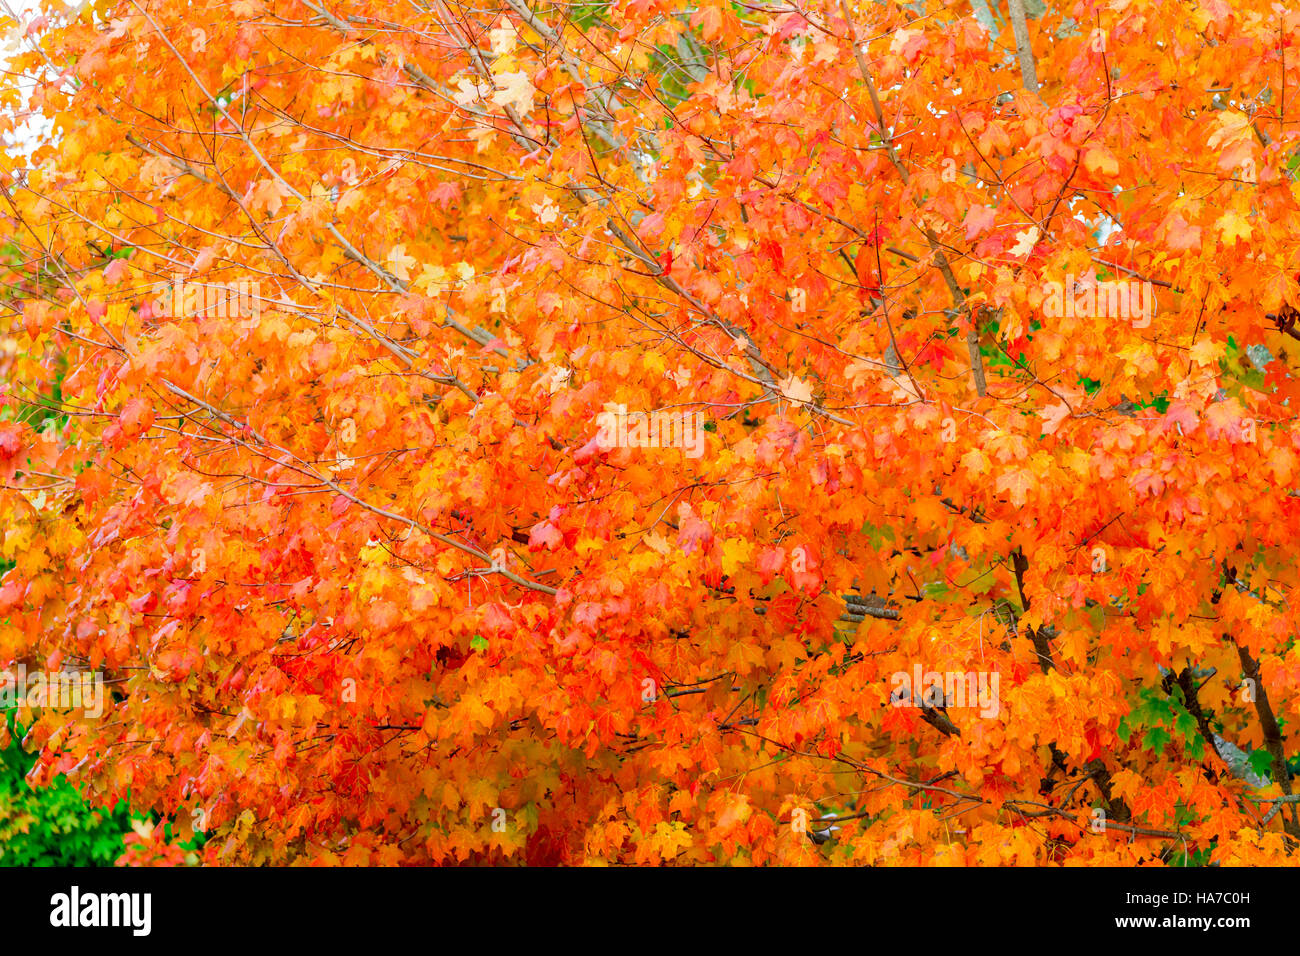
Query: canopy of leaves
point(312, 311)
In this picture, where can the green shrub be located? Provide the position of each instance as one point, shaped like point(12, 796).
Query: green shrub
point(52, 826)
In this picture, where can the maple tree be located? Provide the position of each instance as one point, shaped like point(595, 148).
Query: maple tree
point(314, 309)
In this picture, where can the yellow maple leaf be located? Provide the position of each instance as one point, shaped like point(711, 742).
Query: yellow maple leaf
point(1206, 352)
point(736, 554)
point(1025, 242)
point(796, 390)
point(1233, 226)
point(1100, 161)
point(514, 89)
point(400, 264)
point(975, 462)
point(1019, 482)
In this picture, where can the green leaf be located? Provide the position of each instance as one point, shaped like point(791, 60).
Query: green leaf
point(1261, 762)
point(1156, 738)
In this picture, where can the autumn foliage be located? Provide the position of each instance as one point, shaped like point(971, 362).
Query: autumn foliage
point(314, 314)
